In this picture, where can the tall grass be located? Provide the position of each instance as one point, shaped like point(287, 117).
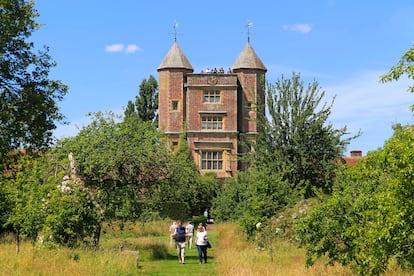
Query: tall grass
point(230, 255)
point(156, 255)
point(235, 256)
point(62, 261)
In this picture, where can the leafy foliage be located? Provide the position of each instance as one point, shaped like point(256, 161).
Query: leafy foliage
point(28, 110)
point(294, 156)
point(253, 197)
point(120, 160)
point(368, 219)
point(298, 141)
point(146, 103)
point(24, 189)
point(43, 203)
point(405, 66)
point(184, 184)
point(226, 206)
point(72, 215)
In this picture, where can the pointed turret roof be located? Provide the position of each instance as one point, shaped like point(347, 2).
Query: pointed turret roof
point(175, 58)
point(248, 59)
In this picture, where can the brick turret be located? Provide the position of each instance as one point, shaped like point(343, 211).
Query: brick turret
point(172, 75)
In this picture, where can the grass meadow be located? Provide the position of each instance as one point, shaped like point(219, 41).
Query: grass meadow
point(230, 255)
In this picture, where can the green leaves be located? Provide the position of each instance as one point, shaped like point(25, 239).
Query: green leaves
point(405, 66)
point(25, 188)
point(146, 102)
point(369, 218)
point(28, 110)
point(295, 156)
point(297, 140)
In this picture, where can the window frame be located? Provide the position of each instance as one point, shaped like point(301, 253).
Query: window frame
point(175, 103)
point(212, 160)
point(211, 96)
point(212, 122)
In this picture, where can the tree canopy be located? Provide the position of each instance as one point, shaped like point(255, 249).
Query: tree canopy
point(295, 155)
point(146, 102)
point(28, 98)
point(297, 140)
point(405, 66)
point(368, 219)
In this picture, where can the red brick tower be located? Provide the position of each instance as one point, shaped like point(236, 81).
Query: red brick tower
point(250, 72)
point(218, 109)
point(172, 75)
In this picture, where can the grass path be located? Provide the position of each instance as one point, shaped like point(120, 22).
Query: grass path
point(170, 265)
point(231, 255)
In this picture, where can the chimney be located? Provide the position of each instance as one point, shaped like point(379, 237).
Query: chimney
point(356, 153)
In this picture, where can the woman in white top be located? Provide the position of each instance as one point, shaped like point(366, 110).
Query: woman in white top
point(201, 242)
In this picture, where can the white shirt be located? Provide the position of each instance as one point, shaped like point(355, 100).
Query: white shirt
point(201, 238)
point(189, 229)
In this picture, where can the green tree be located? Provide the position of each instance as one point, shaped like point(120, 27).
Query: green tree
point(28, 98)
point(146, 103)
point(252, 197)
point(297, 140)
point(130, 110)
point(294, 156)
point(118, 162)
point(26, 186)
point(405, 66)
point(44, 202)
point(184, 186)
point(228, 205)
point(368, 219)
point(72, 215)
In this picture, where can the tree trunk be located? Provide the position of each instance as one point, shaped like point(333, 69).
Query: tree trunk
point(97, 236)
point(17, 241)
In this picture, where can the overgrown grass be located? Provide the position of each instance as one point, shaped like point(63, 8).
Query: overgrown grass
point(235, 256)
point(230, 255)
point(151, 240)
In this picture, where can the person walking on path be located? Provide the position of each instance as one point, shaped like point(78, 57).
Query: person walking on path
point(180, 236)
point(172, 231)
point(202, 242)
point(189, 228)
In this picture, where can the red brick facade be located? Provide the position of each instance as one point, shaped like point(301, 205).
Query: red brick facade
point(217, 109)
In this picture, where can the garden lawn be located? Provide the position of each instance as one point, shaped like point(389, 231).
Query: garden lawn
point(170, 265)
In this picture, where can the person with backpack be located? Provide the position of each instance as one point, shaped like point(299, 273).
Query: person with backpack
point(180, 235)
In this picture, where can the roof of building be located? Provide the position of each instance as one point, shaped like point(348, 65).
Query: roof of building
point(248, 59)
point(175, 58)
point(356, 155)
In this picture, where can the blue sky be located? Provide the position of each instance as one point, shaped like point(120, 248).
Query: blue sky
point(104, 49)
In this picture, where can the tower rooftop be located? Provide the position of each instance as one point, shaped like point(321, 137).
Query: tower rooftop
point(248, 59)
point(175, 58)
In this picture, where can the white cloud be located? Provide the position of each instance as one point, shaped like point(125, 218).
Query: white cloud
point(132, 48)
point(114, 48)
point(302, 28)
point(129, 49)
point(364, 95)
point(363, 103)
point(72, 129)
